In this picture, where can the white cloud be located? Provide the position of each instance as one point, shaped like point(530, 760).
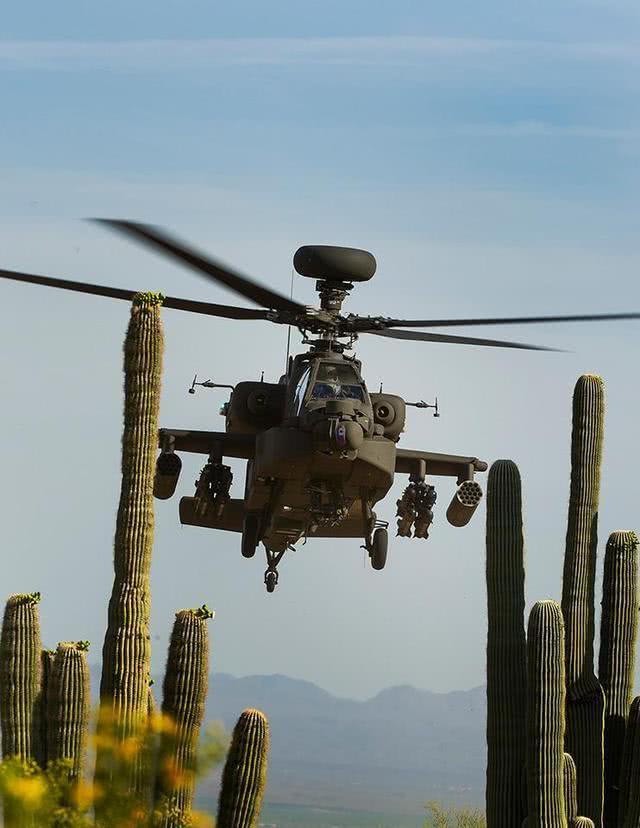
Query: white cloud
point(172, 55)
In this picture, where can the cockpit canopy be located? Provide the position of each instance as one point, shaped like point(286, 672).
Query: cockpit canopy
point(328, 381)
point(337, 382)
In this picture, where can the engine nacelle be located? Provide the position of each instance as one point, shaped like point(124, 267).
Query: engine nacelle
point(255, 406)
point(389, 411)
point(464, 503)
point(168, 468)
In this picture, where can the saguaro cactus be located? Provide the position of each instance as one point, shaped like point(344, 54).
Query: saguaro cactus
point(69, 702)
point(545, 717)
point(46, 665)
point(629, 799)
point(20, 669)
point(126, 650)
point(245, 772)
point(184, 696)
point(506, 648)
point(585, 698)
point(570, 789)
point(618, 633)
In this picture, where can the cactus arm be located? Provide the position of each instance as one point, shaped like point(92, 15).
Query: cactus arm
point(69, 702)
point(578, 585)
point(46, 666)
point(585, 698)
point(506, 648)
point(126, 649)
point(546, 716)
point(245, 772)
point(629, 798)
point(570, 789)
point(20, 673)
point(618, 634)
point(183, 704)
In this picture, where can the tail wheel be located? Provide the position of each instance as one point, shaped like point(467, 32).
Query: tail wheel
point(250, 535)
point(271, 579)
point(379, 546)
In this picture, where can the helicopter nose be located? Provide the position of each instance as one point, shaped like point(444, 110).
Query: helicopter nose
point(349, 435)
point(336, 433)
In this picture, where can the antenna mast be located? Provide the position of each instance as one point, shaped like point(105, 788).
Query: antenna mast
point(286, 364)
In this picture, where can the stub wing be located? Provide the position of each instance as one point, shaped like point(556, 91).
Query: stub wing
point(424, 463)
point(217, 443)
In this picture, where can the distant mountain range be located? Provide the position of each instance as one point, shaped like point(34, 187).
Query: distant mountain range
point(389, 754)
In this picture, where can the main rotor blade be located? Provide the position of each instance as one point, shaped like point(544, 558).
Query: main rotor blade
point(208, 308)
point(160, 240)
point(424, 336)
point(507, 320)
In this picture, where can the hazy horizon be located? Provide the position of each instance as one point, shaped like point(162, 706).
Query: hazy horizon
point(487, 156)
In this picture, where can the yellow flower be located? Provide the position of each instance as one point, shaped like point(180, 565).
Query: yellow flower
point(200, 820)
point(161, 723)
point(128, 748)
point(84, 793)
point(103, 740)
point(29, 790)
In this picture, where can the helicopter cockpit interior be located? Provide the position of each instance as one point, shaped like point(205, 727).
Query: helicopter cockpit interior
point(337, 382)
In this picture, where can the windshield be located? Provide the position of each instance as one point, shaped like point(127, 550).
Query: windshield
point(337, 382)
point(301, 389)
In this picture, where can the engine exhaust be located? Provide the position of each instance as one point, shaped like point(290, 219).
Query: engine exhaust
point(168, 467)
point(464, 503)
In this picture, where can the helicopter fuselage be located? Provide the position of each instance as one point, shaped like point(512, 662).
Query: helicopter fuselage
point(321, 451)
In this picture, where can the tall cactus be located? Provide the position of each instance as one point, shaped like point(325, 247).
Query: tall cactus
point(184, 696)
point(69, 702)
point(629, 799)
point(546, 716)
point(126, 650)
point(20, 670)
point(585, 698)
point(506, 648)
point(245, 773)
point(570, 789)
point(618, 633)
point(46, 665)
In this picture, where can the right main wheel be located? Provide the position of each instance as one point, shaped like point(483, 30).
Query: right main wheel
point(379, 546)
point(250, 535)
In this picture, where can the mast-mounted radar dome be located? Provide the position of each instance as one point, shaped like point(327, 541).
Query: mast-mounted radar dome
point(334, 264)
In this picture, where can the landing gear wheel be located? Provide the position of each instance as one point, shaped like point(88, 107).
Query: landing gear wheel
point(250, 535)
point(271, 574)
point(271, 579)
point(379, 546)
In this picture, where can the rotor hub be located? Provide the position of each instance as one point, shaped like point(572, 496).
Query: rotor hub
point(332, 294)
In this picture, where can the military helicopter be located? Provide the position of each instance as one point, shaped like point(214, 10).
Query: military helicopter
point(321, 448)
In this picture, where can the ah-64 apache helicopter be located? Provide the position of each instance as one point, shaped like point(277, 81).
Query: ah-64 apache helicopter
point(321, 449)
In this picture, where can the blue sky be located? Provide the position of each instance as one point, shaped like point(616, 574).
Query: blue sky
point(487, 155)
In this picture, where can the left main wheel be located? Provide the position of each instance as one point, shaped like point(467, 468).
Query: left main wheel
point(379, 546)
point(250, 535)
